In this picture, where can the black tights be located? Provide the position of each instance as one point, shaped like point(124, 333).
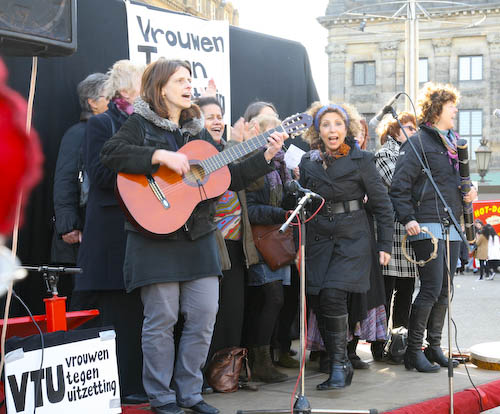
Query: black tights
point(264, 305)
point(330, 302)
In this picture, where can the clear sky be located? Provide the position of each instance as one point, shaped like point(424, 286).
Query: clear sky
point(294, 20)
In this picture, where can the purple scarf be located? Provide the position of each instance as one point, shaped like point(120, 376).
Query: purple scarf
point(123, 105)
point(449, 139)
point(278, 178)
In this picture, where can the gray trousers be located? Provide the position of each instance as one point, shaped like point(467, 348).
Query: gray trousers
point(197, 300)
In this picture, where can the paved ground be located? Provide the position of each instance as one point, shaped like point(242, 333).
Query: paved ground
point(476, 312)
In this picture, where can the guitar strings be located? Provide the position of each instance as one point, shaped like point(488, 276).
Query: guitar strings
point(232, 154)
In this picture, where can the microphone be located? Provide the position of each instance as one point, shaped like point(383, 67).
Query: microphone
point(496, 113)
point(294, 187)
point(388, 106)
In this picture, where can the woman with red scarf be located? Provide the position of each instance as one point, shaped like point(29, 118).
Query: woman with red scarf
point(339, 236)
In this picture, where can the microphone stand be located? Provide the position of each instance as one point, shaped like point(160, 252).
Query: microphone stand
point(55, 306)
point(302, 405)
point(446, 224)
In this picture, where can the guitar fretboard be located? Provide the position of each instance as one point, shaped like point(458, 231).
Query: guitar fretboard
point(236, 152)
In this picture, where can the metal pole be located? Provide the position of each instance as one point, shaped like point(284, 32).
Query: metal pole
point(450, 353)
point(302, 307)
point(411, 53)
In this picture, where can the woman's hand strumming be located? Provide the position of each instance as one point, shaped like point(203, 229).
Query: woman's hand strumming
point(176, 161)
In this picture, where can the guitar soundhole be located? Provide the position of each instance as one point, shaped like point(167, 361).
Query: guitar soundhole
point(195, 176)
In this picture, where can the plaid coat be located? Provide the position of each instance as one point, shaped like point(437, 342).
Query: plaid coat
point(385, 161)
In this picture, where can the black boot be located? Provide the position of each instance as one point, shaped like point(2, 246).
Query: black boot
point(335, 338)
point(263, 368)
point(433, 352)
point(414, 357)
point(356, 361)
point(324, 362)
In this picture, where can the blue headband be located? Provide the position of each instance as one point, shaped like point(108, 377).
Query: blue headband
point(326, 107)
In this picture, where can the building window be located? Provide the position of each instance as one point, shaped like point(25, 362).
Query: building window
point(470, 68)
point(364, 73)
point(470, 127)
point(213, 10)
point(423, 70)
point(198, 5)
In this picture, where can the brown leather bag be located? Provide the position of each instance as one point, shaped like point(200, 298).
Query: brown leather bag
point(223, 371)
point(277, 249)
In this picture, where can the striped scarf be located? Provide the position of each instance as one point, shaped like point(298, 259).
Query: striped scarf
point(449, 139)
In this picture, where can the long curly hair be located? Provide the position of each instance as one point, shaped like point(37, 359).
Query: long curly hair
point(389, 126)
point(431, 99)
point(353, 126)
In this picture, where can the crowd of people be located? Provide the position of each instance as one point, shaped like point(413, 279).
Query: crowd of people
point(176, 300)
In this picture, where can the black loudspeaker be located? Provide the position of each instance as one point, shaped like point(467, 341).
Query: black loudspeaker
point(43, 28)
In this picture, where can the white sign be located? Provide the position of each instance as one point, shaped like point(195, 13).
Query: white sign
point(78, 378)
point(204, 44)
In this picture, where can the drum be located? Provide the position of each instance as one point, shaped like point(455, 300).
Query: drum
point(486, 356)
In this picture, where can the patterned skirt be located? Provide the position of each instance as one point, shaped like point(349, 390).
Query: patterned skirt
point(399, 266)
point(373, 328)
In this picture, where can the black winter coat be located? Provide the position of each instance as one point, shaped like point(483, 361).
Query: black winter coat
point(68, 215)
point(412, 194)
point(338, 247)
point(162, 260)
point(260, 211)
point(102, 250)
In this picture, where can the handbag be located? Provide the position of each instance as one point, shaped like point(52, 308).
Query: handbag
point(277, 249)
point(395, 347)
point(223, 371)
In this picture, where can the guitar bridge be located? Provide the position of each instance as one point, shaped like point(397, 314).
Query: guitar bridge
point(157, 192)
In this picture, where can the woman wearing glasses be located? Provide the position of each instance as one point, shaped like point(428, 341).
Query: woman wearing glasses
point(399, 274)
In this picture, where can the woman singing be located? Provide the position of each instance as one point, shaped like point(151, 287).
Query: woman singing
point(179, 273)
point(338, 238)
point(417, 205)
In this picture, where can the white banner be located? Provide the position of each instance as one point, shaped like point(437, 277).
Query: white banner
point(204, 44)
point(78, 378)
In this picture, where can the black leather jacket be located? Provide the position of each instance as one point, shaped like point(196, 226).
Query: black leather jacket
point(412, 194)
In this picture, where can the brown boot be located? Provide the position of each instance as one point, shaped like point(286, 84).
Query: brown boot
point(263, 368)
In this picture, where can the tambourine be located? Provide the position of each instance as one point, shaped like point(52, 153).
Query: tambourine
point(432, 256)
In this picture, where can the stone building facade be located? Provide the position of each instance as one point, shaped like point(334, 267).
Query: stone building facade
point(366, 56)
point(207, 9)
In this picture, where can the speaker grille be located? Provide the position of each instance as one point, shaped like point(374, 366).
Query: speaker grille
point(38, 27)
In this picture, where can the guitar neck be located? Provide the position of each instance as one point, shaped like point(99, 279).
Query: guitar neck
point(238, 151)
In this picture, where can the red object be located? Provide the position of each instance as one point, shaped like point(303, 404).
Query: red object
point(488, 211)
point(20, 154)
point(55, 309)
point(465, 402)
point(24, 326)
point(141, 202)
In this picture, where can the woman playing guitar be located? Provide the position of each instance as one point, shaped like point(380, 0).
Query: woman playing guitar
point(180, 271)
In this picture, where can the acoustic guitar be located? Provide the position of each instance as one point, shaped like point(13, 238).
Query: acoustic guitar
point(161, 203)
